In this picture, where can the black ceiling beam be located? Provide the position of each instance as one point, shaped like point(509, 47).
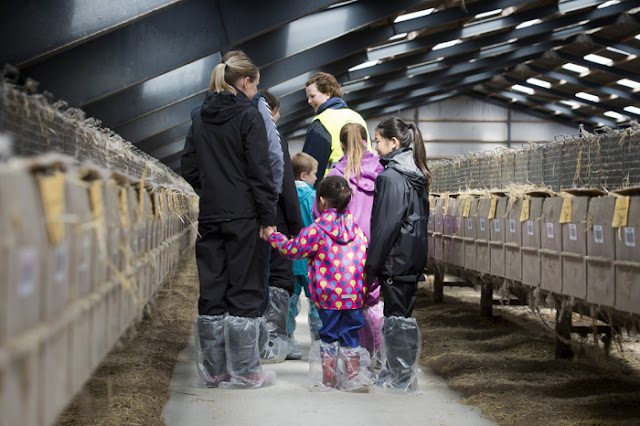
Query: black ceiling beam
point(616, 44)
point(170, 161)
point(168, 150)
point(612, 69)
point(36, 30)
point(165, 137)
point(411, 103)
point(157, 44)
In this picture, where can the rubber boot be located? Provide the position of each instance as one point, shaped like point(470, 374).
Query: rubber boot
point(276, 316)
point(402, 351)
point(315, 323)
point(210, 350)
point(243, 357)
point(329, 358)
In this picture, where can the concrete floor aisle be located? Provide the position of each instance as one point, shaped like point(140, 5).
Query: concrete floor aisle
point(290, 402)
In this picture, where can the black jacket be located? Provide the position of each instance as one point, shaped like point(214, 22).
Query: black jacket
point(226, 160)
point(399, 218)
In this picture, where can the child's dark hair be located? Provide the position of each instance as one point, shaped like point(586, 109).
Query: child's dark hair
point(407, 135)
point(336, 191)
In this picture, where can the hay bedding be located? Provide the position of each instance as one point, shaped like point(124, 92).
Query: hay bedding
point(504, 366)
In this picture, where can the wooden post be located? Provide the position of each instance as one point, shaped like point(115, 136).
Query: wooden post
point(438, 285)
point(563, 332)
point(486, 298)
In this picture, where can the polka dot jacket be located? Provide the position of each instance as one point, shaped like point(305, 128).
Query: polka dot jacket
point(336, 249)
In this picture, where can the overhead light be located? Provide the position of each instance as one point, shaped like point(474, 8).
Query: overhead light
point(413, 15)
point(489, 13)
point(587, 97)
point(526, 24)
point(638, 37)
point(398, 36)
point(629, 83)
point(622, 52)
point(615, 115)
point(632, 109)
point(364, 65)
point(608, 3)
point(446, 44)
point(540, 83)
point(524, 89)
point(572, 104)
point(575, 68)
point(598, 59)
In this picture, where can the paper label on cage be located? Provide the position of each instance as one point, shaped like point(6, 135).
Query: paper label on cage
point(458, 222)
point(621, 212)
point(439, 219)
point(52, 193)
point(467, 207)
point(549, 230)
point(512, 225)
point(573, 232)
point(524, 214)
point(597, 234)
point(469, 223)
point(60, 264)
point(447, 221)
point(530, 227)
point(124, 209)
point(496, 225)
point(28, 265)
point(492, 209)
point(630, 237)
point(482, 224)
point(565, 214)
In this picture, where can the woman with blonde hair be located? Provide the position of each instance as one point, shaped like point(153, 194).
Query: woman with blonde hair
point(226, 160)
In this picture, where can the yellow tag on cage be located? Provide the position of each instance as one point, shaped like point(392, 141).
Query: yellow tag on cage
point(492, 210)
point(52, 193)
point(524, 214)
point(467, 207)
point(566, 213)
point(620, 212)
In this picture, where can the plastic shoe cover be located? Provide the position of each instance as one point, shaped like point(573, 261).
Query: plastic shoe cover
point(294, 308)
point(210, 353)
point(315, 323)
point(323, 358)
point(294, 351)
point(402, 344)
point(243, 358)
point(370, 335)
point(276, 316)
point(353, 367)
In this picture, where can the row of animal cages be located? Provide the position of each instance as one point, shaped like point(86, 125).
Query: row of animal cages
point(580, 243)
point(82, 252)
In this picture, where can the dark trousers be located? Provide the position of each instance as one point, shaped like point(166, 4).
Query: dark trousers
point(231, 260)
point(341, 325)
point(399, 294)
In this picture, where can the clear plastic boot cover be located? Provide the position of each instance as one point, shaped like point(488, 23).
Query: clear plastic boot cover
point(353, 369)
point(209, 342)
point(370, 335)
point(243, 357)
point(276, 316)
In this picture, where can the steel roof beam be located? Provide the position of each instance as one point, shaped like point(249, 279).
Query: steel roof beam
point(612, 69)
point(165, 137)
point(167, 150)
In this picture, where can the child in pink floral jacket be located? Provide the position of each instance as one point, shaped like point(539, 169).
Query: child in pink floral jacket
point(336, 251)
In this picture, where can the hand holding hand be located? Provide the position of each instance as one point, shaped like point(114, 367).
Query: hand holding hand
point(265, 231)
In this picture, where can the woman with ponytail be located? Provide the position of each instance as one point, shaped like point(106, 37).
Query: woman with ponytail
point(397, 252)
point(335, 247)
point(226, 160)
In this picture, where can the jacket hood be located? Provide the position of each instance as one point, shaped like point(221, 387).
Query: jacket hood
point(401, 160)
point(306, 192)
point(371, 167)
point(221, 107)
point(332, 103)
point(340, 227)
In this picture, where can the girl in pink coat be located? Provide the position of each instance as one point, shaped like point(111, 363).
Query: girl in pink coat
point(336, 251)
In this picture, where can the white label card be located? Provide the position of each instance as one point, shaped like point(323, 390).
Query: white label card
point(530, 227)
point(469, 223)
point(28, 265)
point(496, 225)
point(597, 234)
point(549, 230)
point(512, 225)
point(573, 232)
point(482, 224)
point(629, 236)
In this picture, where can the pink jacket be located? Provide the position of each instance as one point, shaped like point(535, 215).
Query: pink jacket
point(337, 249)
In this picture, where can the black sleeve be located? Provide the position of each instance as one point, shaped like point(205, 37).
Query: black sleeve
point(288, 201)
point(387, 214)
point(317, 144)
point(189, 162)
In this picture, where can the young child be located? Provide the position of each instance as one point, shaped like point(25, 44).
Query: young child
point(305, 168)
point(336, 251)
point(397, 253)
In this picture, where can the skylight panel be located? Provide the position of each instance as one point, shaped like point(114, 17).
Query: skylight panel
point(523, 89)
point(599, 59)
point(489, 13)
point(615, 115)
point(398, 36)
point(538, 82)
point(632, 109)
point(575, 68)
point(622, 52)
point(526, 24)
point(572, 104)
point(629, 83)
point(364, 65)
point(608, 3)
point(587, 96)
point(446, 44)
point(414, 15)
